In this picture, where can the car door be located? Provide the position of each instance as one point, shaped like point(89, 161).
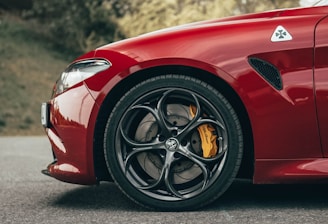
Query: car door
point(321, 80)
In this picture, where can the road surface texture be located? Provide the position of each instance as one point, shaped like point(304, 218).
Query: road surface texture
point(27, 196)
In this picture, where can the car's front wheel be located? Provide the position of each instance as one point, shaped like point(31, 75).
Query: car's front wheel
point(173, 143)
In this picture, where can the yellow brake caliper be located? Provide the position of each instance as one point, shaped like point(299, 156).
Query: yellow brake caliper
point(207, 137)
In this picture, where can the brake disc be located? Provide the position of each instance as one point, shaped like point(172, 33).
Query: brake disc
point(152, 163)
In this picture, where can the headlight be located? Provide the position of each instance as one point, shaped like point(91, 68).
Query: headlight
point(79, 71)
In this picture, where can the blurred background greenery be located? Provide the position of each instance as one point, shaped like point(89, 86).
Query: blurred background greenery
point(39, 38)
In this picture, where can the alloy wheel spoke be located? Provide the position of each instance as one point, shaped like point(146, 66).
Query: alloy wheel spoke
point(165, 179)
point(169, 184)
point(202, 163)
point(206, 172)
point(133, 143)
point(194, 121)
point(135, 151)
point(160, 108)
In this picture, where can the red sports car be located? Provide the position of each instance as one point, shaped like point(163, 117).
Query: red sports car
point(174, 116)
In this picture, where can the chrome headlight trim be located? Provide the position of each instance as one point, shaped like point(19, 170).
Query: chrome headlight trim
point(79, 71)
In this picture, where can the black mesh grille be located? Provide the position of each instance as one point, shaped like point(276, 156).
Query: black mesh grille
point(268, 71)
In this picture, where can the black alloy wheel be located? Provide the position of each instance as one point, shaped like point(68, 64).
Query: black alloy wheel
point(173, 143)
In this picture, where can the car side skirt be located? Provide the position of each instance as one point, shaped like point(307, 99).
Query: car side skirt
point(291, 171)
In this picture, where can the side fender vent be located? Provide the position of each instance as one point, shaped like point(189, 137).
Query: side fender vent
point(268, 71)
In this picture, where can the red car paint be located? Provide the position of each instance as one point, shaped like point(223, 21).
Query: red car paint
point(289, 127)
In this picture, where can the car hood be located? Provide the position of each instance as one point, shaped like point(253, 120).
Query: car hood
point(227, 20)
point(241, 19)
point(252, 16)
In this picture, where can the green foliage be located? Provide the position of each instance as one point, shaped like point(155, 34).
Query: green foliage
point(83, 25)
point(249, 6)
point(150, 15)
point(2, 122)
point(28, 69)
point(78, 25)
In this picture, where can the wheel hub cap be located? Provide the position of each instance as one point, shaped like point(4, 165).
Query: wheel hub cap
point(172, 144)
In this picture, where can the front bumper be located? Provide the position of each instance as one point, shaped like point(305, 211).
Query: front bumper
point(66, 119)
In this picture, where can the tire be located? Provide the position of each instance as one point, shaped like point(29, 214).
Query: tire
point(154, 143)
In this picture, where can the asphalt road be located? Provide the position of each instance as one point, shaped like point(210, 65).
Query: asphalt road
point(27, 196)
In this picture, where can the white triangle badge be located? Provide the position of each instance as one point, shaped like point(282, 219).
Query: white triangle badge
point(281, 34)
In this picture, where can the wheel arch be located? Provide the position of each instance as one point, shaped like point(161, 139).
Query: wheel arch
point(246, 170)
